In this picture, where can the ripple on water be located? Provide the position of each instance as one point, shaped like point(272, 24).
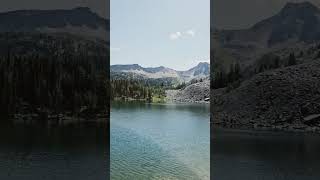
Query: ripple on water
point(137, 157)
point(32, 153)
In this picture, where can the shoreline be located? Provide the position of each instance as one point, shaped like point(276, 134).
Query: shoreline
point(258, 132)
point(165, 103)
point(48, 118)
point(269, 128)
point(167, 100)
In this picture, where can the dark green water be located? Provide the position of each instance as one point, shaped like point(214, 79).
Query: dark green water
point(251, 155)
point(160, 141)
point(28, 152)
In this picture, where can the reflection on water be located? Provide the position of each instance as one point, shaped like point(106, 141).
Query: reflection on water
point(160, 141)
point(264, 155)
point(62, 153)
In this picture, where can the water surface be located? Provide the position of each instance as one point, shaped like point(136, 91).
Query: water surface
point(254, 155)
point(160, 141)
point(30, 152)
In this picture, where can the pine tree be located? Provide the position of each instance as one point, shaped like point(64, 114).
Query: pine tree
point(292, 60)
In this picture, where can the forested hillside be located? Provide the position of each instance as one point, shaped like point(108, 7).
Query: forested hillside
point(134, 82)
point(137, 90)
point(51, 74)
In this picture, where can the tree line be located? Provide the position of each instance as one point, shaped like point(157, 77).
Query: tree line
point(135, 89)
point(232, 78)
point(222, 79)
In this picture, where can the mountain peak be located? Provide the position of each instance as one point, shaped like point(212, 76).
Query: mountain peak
point(298, 21)
point(296, 7)
point(82, 9)
point(203, 63)
point(203, 68)
point(133, 65)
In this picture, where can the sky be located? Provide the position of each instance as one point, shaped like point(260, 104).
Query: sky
point(241, 14)
point(152, 33)
point(101, 7)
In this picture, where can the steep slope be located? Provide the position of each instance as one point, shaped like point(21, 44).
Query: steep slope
point(297, 24)
point(194, 93)
point(280, 99)
point(202, 70)
point(283, 95)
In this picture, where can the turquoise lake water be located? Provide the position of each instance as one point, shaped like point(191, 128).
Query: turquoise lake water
point(160, 141)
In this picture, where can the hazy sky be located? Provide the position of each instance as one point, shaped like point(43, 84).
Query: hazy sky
point(171, 33)
point(239, 14)
point(99, 6)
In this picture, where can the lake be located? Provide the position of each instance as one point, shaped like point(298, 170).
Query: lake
point(156, 141)
point(160, 141)
point(251, 155)
point(32, 152)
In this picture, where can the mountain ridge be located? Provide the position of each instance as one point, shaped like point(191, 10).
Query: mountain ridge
point(295, 20)
point(78, 21)
point(296, 25)
point(202, 70)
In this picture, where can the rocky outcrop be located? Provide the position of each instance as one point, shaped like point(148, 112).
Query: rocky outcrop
point(194, 93)
point(285, 99)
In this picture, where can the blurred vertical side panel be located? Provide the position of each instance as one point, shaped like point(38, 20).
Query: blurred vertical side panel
point(211, 88)
point(54, 89)
point(265, 89)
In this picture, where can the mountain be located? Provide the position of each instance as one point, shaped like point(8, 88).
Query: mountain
point(295, 22)
point(295, 27)
point(277, 88)
point(202, 70)
point(78, 21)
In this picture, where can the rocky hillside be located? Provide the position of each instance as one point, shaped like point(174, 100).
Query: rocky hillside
point(287, 98)
point(195, 93)
point(278, 84)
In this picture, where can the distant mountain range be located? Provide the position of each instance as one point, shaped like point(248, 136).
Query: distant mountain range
point(202, 70)
point(78, 21)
